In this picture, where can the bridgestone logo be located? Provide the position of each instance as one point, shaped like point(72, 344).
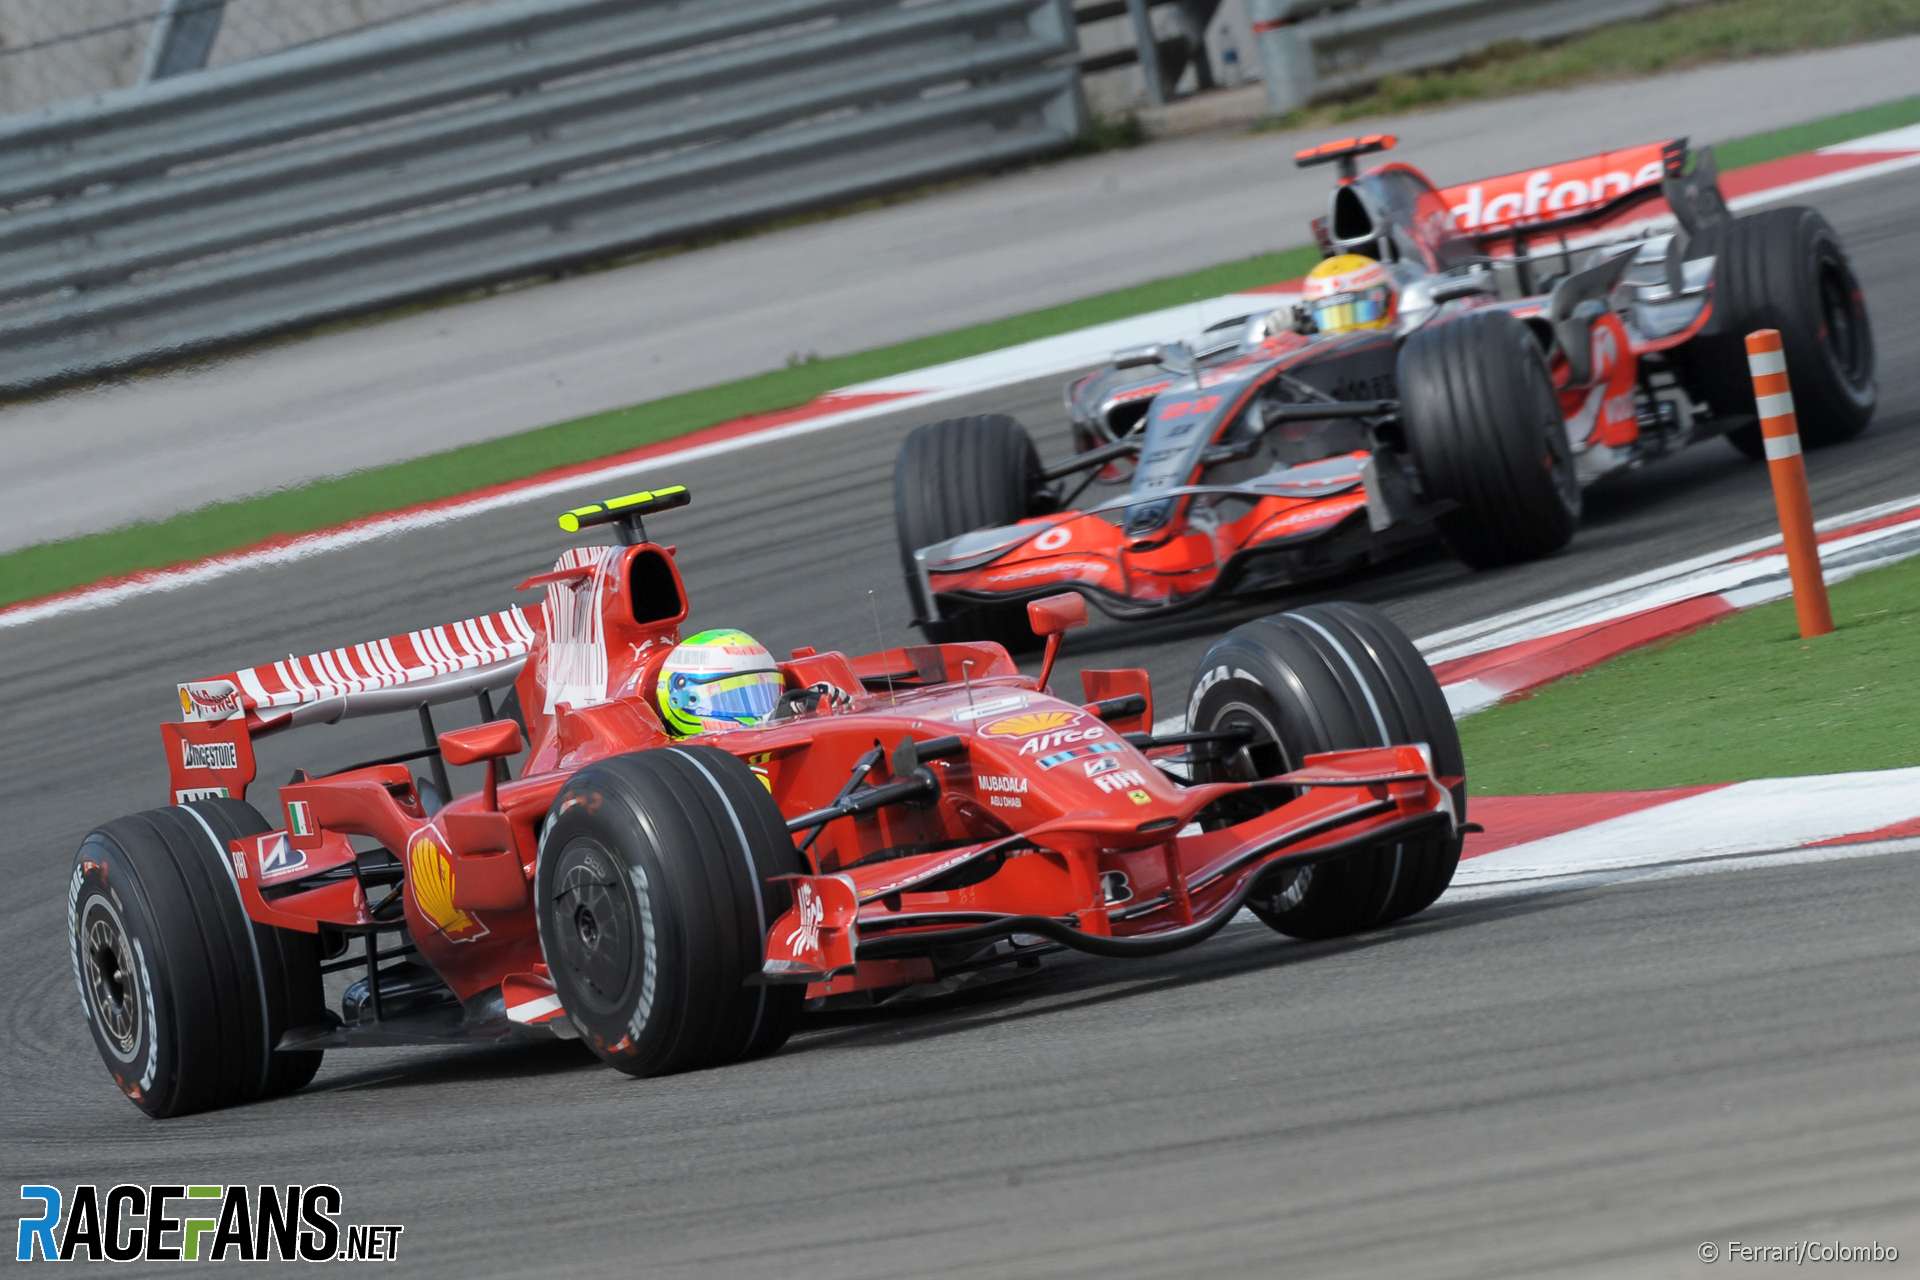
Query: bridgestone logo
point(209, 755)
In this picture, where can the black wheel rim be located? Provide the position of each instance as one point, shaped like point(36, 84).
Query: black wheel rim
point(595, 934)
point(1843, 323)
point(111, 979)
point(1263, 757)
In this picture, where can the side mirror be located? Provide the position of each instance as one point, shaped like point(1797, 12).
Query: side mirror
point(487, 741)
point(490, 742)
point(1053, 616)
point(1056, 614)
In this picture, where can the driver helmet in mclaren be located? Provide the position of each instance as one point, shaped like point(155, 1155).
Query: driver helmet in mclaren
point(1350, 292)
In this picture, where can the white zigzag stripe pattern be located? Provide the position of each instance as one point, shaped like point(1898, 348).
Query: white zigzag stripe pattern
point(387, 663)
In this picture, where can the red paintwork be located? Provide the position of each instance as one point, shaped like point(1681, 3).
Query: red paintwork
point(468, 866)
point(1087, 549)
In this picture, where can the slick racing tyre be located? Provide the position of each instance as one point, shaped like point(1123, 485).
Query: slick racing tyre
point(184, 994)
point(953, 477)
point(1486, 434)
point(656, 893)
point(1784, 269)
point(1324, 678)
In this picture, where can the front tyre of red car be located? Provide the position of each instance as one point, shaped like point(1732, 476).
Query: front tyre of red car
point(1331, 677)
point(1785, 269)
point(1487, 437)
point(655, 891)
point(186, 996)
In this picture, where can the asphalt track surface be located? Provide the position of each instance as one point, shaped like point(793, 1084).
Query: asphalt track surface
point(1585, 1081)
point(439, 378)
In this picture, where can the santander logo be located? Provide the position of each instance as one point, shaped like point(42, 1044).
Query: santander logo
point(1541, 195)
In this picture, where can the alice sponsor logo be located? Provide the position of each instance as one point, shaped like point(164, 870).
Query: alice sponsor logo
point(1049, 741)
point(209, 755)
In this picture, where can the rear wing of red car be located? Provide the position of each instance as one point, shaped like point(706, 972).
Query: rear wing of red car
point(1597, 192)
point(210, 752)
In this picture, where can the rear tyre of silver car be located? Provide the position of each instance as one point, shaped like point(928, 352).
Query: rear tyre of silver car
point(953, 477)
point(655, 894)
point(184, 994)
point(1324, 678)
point(1784, 269)
point(1486, 434)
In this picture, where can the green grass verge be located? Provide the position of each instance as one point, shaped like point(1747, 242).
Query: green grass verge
point(1743, 698)
point(1815, 134)
point(1721, 31)
point(56, 566)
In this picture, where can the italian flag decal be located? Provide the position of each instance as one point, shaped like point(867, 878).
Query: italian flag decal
point(299, 820)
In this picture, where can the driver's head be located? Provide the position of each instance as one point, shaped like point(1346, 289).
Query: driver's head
point(721, 679)
point(1349, 292)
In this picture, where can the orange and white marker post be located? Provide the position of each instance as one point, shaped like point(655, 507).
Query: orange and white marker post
point(1781, 432)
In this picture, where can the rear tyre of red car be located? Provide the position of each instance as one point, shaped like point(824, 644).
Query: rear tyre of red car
point(953, 477)
point(1784, 269)
point(655, 896)
point(1486, 434)
point(184, 994)
point(1324, 678)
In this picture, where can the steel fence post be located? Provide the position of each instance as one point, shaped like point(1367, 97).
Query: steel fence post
point(183, 37)
point(1149, 49)
point(1286, 55)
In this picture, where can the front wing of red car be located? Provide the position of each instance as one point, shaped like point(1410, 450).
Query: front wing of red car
point(1115, 882)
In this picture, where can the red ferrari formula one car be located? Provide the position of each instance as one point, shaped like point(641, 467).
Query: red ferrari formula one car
point(674, 900)
point(1466, 368)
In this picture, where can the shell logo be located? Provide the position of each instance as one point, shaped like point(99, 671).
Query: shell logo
point(430, 872)
point(1028, 723)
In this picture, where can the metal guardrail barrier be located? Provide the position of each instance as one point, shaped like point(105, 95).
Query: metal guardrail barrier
point(1311, 48)
point(486, 145)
